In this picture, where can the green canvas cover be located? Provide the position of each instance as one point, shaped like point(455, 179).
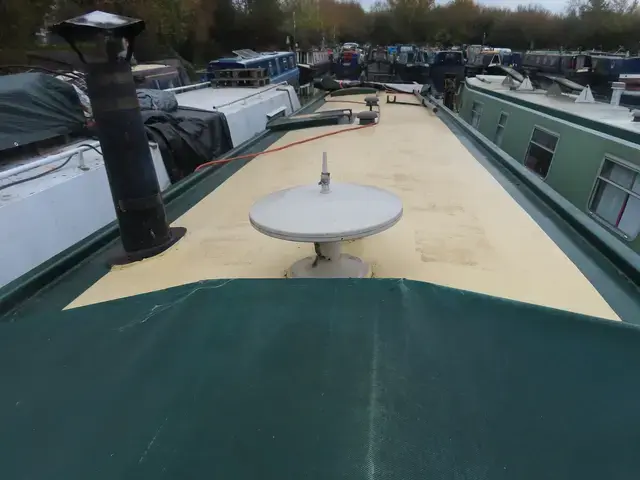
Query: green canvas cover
point(318, 379)
point(36, 107)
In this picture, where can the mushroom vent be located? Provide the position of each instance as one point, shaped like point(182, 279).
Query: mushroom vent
point(367, 117)
point(371, 101)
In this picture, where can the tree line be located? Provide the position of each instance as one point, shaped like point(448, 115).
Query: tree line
point(199, 30)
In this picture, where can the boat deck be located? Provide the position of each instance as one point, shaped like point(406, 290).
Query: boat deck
point(616, 116)
point(225, 369)
point(460, 227)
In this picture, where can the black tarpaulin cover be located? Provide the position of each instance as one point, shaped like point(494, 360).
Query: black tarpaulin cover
point(36, 107)
point(187, 138)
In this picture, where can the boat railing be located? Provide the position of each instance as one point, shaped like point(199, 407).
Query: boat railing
point(186, 88)
point(311, 58)
point(63, 155)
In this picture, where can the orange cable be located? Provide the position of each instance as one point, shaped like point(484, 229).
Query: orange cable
point(284, 147)
point(344, 101)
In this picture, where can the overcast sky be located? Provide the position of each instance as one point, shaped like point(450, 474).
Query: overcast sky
point(553, 5)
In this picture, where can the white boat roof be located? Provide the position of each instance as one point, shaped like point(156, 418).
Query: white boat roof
point(210, 98)
point(147, 66)
point(604, 113)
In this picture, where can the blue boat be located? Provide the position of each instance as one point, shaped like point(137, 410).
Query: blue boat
point(348, 64)
point(280, 66)
point(617, 68)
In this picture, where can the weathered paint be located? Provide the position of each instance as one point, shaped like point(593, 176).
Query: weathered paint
point(578, 156)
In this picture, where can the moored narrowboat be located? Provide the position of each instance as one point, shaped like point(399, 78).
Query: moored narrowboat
point(586, 151)
point(279, 66)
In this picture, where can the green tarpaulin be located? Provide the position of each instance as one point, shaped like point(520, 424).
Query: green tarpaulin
point(36, 107)
point(321, 379)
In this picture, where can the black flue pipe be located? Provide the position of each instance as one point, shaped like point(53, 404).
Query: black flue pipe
point(142, 219)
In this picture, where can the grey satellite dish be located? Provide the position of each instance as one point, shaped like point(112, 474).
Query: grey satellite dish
point(326, 215)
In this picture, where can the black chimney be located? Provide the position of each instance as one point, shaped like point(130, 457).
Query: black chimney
point(132, 178)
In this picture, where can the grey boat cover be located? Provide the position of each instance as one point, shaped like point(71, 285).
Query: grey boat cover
point(35, 107)
point(157, 100)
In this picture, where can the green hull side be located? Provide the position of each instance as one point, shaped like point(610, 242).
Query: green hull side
point(578, 155)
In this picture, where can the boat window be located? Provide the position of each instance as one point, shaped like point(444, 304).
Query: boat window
point(271, 68)
point(616, 198)
point(291, 65)
point(502, 122)
point(476, 113)
point(284, 64)
point(542, 146)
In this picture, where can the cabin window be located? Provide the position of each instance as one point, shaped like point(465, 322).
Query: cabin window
point(291, 65)
point(476, 113)
point(271, 69)
point(542, 146)
point(616, 198)
point(502, 122)
point(284, 64)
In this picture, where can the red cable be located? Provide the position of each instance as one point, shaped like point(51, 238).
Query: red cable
point(284, 147)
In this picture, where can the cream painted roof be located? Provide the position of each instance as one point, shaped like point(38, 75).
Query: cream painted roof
point(460, 227)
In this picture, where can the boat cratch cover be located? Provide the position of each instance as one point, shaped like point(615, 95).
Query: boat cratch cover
point(36, 107)
point(386, 380)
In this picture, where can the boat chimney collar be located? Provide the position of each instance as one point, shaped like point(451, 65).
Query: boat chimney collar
point(636, 115)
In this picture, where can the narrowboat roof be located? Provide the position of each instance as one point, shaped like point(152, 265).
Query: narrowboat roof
point(212, 98)
point(487, 344)
point(595, 113)
point(485, 252)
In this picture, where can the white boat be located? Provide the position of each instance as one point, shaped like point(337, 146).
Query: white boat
point(56, 198)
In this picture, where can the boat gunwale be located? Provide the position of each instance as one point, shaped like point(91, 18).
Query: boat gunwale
point(620, 255)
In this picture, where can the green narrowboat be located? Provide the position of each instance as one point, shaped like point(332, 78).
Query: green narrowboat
point(587, 151)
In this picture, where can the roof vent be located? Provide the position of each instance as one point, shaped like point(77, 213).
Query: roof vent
point(326, 216)
point(585, 96)
point(526, 85)
point(508, 81)
point(636, 115)
point(367, 117)
point(617, 89)
point(371, 101)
